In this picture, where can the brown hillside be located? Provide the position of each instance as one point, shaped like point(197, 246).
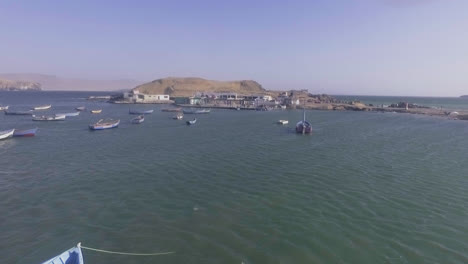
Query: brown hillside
point(189, 86)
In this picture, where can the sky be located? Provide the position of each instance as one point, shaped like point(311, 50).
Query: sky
point(359, 47)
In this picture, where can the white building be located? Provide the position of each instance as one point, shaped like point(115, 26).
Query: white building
point(137, 97)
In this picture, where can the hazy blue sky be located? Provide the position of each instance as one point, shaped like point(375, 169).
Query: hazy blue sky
point(382, 47)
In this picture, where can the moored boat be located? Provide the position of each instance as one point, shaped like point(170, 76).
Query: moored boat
point(98, 111)
point(283, 122)
point(138, 119)
point(42, 107)
point(80, 108)
point(171, 109)
point(178, 117)
point(140, 112)
point(28, 112)
point(303, 126)
point(192, 122)
point(69, 114)
point(48, 118)
point(3, 108)
point(6, 133)
point(71, 256)
point(104, 124)
point(25, 133)
point(196, 111)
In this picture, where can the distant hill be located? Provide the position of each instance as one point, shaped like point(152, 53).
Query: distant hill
point(9, 85)
point(464, 96)
point(51, 82)
point(189, 86)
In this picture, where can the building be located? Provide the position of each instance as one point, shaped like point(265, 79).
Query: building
point(137, 97)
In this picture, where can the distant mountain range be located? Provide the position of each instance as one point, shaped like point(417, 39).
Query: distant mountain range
point(51, 82)
point(9, 85)
point(189, 86)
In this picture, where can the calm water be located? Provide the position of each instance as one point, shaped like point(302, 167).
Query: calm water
point(364, 188)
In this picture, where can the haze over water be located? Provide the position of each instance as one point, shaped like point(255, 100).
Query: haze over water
point(364, 188)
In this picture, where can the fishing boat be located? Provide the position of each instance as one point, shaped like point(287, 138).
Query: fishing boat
point(25, 133)
point(140, 112)
point(3, 108)
point(71, 256)
point(138, 120)
point(48, 118)
point(283, 122)
point(80, 108)
point(42, 107)
point(69, 114)
point(178, 117)
point(192, 122)
point(104, 124)
point(196, 111)
point(29, 112)
point(96, 111)
point(303, 126)
point(171, 109)
point(6, 133)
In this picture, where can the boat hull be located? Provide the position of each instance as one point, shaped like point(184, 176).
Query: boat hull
point(203, 111)
point(96, 111)
point(98, 126)
point(191, 122)
point(303, 127)
point(25, 133)
point(2, 108)
point(147, 112)
point(18, 113)
point(69, 114)
point(138, 120)
point(42, 107)
point(49, 118)
point(6, 134)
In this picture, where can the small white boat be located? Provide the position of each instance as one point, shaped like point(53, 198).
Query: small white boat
point(48, 118)
point(105, 124)
point(191, 122)
point(69, 114)
point(283, 122)
point(80, 108)
point(178, 117)
point(7, 133)
point(138, 120)
point(42, 107)
point(3, 108)
point(98, 111)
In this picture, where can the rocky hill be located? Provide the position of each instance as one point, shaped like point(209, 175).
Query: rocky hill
point(189, 86)
point(10, 85)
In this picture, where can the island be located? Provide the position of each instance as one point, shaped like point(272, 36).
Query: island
point(196, 92)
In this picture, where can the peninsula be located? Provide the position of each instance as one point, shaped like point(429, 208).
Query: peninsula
point(9, 85)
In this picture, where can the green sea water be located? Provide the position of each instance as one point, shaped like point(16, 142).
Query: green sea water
point(234, 188)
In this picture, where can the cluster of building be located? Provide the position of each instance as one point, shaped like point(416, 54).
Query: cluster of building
point(227, 99)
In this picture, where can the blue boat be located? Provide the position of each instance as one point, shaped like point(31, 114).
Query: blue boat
point(140, 112)
point(71, 256)
point(25, 133)
point(105, 124)
point(29, 112)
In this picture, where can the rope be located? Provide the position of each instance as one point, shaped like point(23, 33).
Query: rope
point(125, 253)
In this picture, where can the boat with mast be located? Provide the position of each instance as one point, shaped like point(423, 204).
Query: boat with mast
point(303, 126)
